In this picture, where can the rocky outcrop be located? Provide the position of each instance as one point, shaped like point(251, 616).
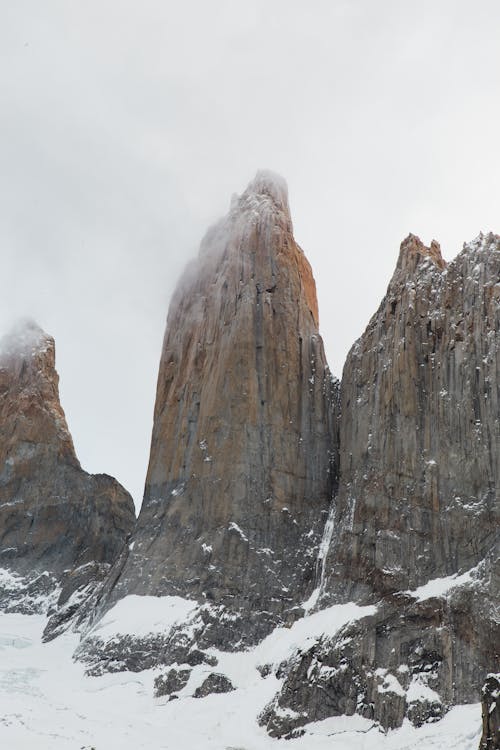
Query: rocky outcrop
point(490, 739)
point(171, 682)
point(58, 525)
point(419, 471)
point(242, 463)
point(214, 683)
point(419, 654)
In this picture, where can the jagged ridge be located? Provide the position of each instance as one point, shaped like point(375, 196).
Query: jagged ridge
point(417, 500)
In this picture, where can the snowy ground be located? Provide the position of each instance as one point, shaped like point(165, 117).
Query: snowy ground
point(46, 702)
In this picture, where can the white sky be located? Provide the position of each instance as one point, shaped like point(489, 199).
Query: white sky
point(126, 126)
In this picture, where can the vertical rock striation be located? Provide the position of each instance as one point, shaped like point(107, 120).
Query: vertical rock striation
point(490, 739)
point(58, 524)
point(242, 463)
point(250, 441)
point(416, 513)
point(420, 429)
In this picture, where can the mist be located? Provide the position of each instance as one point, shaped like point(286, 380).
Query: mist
point(127, 127)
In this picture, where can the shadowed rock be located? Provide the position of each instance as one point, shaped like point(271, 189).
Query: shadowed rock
point(55, 519)
point(490, 739)
point(214, 683)
point(171, 682)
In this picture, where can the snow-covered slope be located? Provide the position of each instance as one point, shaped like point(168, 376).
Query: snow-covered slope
point(47, 702)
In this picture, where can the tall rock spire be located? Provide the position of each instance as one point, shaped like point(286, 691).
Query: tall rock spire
point(419, 463)
point(416, 512)
point(54, 517)
point(241, 468)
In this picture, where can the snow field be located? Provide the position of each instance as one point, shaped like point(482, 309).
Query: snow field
point(47, 702)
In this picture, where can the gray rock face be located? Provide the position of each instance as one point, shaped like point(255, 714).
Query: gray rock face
point(417, 500)
point(420, 428)
point(242, 463)
point(54, 517)
point(490, 739)
point(214, 683)
point(412, 658)
point(171, 683)
point(181, 643)
point(77, 589)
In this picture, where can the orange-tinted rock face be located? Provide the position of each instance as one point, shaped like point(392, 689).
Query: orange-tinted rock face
point(241, 468)
point(53, 515)
point(30, 411)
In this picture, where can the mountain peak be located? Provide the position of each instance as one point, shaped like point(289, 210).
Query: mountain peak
point(25, 339)
point(412, 249)
point(267, 191)
point(483, 242)
point(240, 471)
point(54, 516)
point(271, 184)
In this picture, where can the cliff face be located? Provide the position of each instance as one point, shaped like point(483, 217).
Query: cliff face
point(414, 525)
point(54, 517)
point(420, 434)
point(242, 462)
point(490, 739)
point(251, 441)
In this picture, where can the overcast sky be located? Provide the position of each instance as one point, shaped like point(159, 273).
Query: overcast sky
point(126, 126)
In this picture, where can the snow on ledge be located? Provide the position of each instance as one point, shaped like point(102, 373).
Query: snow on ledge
point(144, 615)
point(441, 586)
point(282, 642)
point(420, 691)
point(388, 683)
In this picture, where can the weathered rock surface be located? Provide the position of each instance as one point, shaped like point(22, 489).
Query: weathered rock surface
point(490, 739)
point(214, 683)
point(181, 642)
point(76, 591)
point(420, 428)
point(242, 463)
point(414, 657)
point(171, 682)
point(250, 443)
point(55, 519)
point(417, 500)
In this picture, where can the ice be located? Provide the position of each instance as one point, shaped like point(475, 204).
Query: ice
point(323, 550)
point(12, 640)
